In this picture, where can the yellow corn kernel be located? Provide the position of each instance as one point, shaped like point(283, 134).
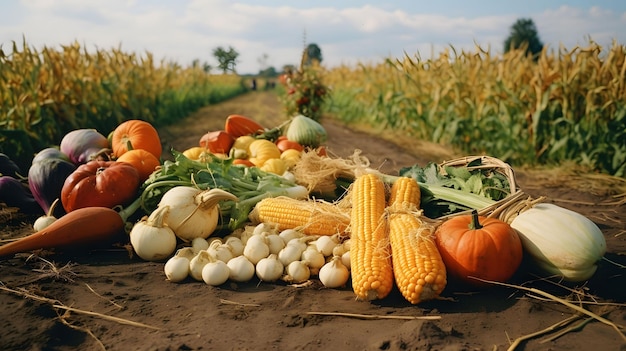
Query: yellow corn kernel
point(370, 254)
point(312, 217)
point(418, 268)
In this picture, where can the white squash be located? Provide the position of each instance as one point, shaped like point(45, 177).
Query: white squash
point(560, 241)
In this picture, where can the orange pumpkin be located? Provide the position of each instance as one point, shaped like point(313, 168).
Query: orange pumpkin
point(238, 125)
point(136, 134)
point(217, 142)
point(481, 247)
point(144, 162)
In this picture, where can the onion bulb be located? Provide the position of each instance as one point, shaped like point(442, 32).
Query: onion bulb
point(326, 244)
point(193, 212)
point(269, 269)
point(241, 269)
point(197, 263)
point(151, 239)
point(313, 258)
point(256, 248)
point(297, 272)
point(274, 242)
point(235, 244)
point(334, 274)
point(176, 269)
point(220, 251)
point(215, 273)
point(198, 244)
point(44, 221)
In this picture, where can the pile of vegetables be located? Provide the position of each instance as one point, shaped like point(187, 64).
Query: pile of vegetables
point(122, 173)
point(201, 213)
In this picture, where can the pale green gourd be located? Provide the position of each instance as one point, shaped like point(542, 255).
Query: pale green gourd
point(561, 242)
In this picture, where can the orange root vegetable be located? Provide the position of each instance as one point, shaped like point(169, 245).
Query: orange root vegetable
point(86, 227)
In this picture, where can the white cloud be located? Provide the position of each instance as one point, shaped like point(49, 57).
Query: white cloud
point(186, 30)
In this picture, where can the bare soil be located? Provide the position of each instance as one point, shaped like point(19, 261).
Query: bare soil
point(277, 316)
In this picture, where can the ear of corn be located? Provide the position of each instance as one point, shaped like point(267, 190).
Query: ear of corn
point(418, 268)
point(311, 217)
point(370, 255)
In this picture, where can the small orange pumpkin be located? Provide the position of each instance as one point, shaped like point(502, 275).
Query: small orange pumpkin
point(136, 134)
point(144, 162)
point(217, 142)
point(478, 246)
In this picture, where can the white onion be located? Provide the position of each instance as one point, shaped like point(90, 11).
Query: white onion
point(235, 244)
point(197, 264)
point(326, 244)
point(297, 272)
point(274, 242)
point(215, 273)
point(290, 253)
point(241, 269)
point(176, 269)
point(334, 274)
point(256, 248)
point(269, 269)
point(220, 251)
point(312, 257)
point(193, 212)
point(151, 239)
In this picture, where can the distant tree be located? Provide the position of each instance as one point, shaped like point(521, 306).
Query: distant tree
point(227, 59)
point(312, 53)
point(524, 32)
point(206, 67)
point(289, 69)
point(268, 72)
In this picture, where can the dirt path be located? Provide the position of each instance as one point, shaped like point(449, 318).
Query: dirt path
point(277, 316)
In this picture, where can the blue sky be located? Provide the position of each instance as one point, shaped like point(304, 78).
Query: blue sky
point(348, 32)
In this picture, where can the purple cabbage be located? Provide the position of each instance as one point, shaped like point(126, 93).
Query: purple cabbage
point(46, 179)
point(15, 193)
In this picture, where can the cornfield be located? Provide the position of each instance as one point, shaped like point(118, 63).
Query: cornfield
point(46, 93)
point(566, 105)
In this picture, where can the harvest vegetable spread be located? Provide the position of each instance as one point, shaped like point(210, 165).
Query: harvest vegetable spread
point(273, 203)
